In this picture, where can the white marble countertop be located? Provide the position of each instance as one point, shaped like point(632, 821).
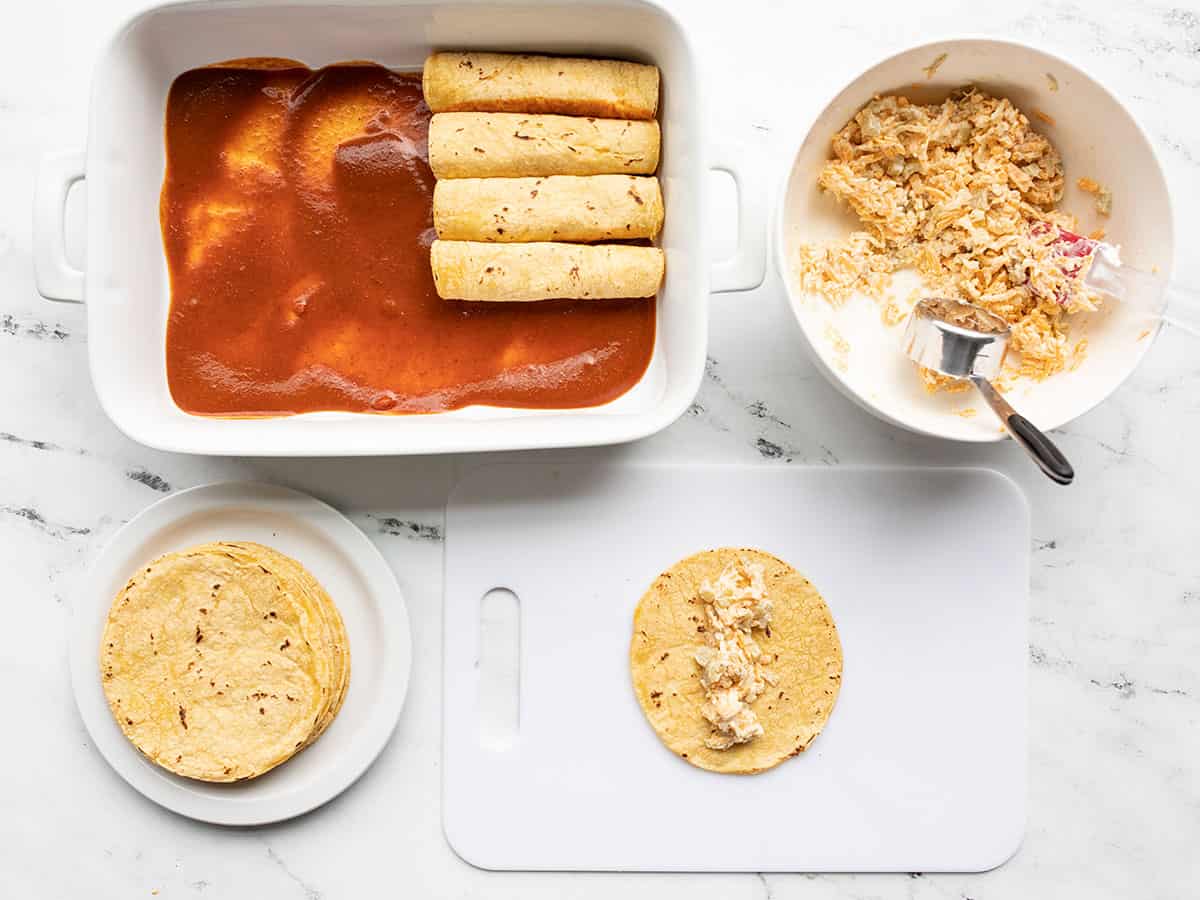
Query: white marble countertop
point(1114, 801)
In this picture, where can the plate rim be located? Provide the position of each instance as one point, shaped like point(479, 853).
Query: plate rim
point(395, 668)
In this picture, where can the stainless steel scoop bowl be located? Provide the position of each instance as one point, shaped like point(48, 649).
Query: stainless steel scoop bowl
point(964, 341)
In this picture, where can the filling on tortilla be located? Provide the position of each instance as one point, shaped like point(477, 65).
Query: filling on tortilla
point(732, 666)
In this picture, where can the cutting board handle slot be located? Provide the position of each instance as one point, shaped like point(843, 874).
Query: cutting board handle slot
point(499, 668)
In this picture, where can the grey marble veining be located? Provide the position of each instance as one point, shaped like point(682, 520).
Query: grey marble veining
point(1114, 803)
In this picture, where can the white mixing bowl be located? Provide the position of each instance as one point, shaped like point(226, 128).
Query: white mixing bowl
point(1097, 137)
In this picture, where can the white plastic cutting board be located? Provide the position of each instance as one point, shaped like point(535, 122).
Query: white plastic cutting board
point(922, 765)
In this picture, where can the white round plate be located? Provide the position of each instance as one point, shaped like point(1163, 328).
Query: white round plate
point(1097, 137)
point(356, 576)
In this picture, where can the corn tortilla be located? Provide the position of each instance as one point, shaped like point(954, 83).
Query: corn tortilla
point(304, 583)
point(806, 660)
point(224, 660)
point(522, 82)
point(554, 208)
point(544, 270)
point(514, 145)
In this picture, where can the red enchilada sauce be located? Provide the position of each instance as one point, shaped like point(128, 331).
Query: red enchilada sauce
point(297, 217)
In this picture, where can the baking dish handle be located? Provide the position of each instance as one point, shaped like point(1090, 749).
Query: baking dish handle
point(745, 270)
point(56, 278)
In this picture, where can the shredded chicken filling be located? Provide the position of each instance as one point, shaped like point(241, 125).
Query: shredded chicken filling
point(732, 666)
point(965, 192)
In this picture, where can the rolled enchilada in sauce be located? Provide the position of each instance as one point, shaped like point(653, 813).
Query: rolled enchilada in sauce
point(509, 82)
point(554, 208)
point(515, 145)
point(544, 270)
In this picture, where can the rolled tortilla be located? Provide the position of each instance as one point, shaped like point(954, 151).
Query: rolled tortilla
point(507, 82)
point(474, 270)
point(555, 208)
point(514, 145)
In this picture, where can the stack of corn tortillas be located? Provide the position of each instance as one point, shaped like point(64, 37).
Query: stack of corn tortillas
point(802, 642)
point(222, 661)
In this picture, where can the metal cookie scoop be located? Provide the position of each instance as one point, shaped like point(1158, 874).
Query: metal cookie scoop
point(964, 341)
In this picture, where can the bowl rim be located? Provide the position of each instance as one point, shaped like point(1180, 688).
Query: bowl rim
point(781, 244)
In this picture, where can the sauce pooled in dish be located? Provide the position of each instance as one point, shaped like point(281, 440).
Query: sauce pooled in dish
point(296, 213)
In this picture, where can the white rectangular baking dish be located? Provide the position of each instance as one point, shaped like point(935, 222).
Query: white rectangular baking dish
point(126, 286)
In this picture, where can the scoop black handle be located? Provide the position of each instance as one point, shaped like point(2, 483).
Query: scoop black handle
point(1043, 450)
point(1048, 457)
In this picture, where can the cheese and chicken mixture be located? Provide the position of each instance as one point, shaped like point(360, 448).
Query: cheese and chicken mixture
point(965, 192)
point(963, 315)
point(1102, 194)
point(732, 666)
